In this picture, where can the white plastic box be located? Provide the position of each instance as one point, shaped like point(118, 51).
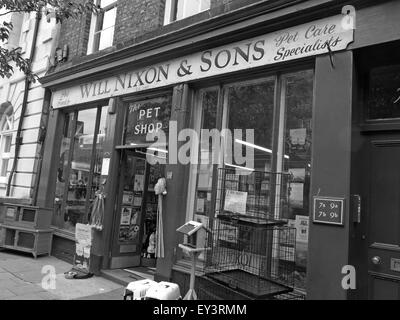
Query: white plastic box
point(137, 290)
point(163, 291)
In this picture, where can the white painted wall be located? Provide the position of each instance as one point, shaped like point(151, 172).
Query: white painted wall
point(12, 90)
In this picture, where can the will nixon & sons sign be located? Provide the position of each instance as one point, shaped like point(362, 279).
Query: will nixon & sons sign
point(309, 39)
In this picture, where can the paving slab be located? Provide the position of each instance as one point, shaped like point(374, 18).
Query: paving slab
point(5, 293)
point(26, 289)
point(21, 279)
point(30, 296)
point(111, 295)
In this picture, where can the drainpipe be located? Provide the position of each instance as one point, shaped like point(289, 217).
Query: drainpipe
point(18, 139)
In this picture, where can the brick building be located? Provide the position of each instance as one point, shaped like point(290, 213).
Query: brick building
point(317, 92)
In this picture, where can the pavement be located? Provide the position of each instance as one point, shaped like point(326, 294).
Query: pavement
point(24, 278)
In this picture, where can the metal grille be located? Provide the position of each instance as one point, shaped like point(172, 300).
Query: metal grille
point(252, 249)
point(255, 259)
point(267, 194)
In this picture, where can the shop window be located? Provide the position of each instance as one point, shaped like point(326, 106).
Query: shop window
point(180, 9)
point(6, 128)
point(79, 171)
point(297, 95)
point(276, 179)
point(251, 106)
point(101, 35)
point(202, 173)
point(384, 93)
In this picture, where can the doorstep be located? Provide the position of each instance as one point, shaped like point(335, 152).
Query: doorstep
point(125, 276)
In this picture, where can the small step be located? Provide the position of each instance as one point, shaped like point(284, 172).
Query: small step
point(142, 272)
point(119, 276)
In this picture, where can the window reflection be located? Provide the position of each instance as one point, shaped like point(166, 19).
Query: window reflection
point(80, 165)
point(80, 168)
point(251, 106)
point(297, 160)
point(384, 93)
point(205, 168)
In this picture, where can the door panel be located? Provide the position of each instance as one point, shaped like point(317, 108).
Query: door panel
point(384, 219)
point(129, 220)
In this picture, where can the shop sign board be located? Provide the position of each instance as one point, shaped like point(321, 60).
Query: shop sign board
point(310, 39)
point(328, 210)
point(83, 238)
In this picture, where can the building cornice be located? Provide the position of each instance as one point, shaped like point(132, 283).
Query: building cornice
point(213, 32)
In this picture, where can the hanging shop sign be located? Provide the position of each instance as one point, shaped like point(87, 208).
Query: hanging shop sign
point(147, 117)
point(328, 210)
point(310, 39)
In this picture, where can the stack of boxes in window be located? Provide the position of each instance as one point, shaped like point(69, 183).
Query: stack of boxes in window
point(26, 228)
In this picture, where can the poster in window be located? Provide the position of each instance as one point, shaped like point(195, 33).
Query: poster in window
point(296, 195)
point(301, 224)
point(126, 216)
point(127, 197)
point(128, 233)
point(228, 233)
point(298, 136)
point(139, 182)
point(129, 228)
point(137, 200)
point(235, 201)
point(200, 205)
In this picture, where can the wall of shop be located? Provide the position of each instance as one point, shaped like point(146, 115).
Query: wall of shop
point(12, 92)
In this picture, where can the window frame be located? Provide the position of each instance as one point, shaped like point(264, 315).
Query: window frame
point(95, 31)
point(279, 124)
point(7, 120)
point(66, 173)
point(171, 10)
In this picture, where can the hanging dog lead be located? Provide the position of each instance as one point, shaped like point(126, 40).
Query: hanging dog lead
point(160, 189)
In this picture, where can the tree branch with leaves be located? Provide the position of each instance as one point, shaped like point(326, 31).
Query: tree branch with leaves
point(60, 10)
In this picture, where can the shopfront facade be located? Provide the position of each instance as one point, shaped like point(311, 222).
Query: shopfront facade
point(307, 82)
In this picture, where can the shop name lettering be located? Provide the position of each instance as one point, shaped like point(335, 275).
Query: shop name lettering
point(286, 45)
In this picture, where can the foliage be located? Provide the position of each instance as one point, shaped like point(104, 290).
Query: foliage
point(60, 10)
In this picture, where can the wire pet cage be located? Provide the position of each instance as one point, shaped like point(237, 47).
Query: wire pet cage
point(252, 250)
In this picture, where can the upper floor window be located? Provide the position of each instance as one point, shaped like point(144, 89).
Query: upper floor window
point(101, 34)
point(6, 127)
point(180, 9)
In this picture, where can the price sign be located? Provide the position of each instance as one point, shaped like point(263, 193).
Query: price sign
point(328, 210)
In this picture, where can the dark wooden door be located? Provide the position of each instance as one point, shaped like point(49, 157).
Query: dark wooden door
point(384, 216)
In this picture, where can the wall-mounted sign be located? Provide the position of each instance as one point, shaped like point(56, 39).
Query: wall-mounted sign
point(310, 39)
point(235, 202)
point(395, 264)
point(328, 210)
point(147, 117)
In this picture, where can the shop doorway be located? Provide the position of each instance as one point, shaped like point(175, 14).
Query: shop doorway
point(134, 236)
point(383, 205)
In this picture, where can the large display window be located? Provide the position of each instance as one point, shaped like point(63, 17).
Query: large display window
point(80, 164)
point(279, 110)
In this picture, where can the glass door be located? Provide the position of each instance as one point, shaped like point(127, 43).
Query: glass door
point(134, 240)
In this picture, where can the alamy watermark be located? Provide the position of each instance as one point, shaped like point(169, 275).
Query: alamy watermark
point(222, 147)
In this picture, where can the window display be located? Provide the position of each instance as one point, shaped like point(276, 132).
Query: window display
point(277, 184)
point(80, 167)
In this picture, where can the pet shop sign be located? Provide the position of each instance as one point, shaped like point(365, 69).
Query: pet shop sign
point(310, 39)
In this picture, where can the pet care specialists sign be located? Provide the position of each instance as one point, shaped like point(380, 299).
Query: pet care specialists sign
point(310, 39)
